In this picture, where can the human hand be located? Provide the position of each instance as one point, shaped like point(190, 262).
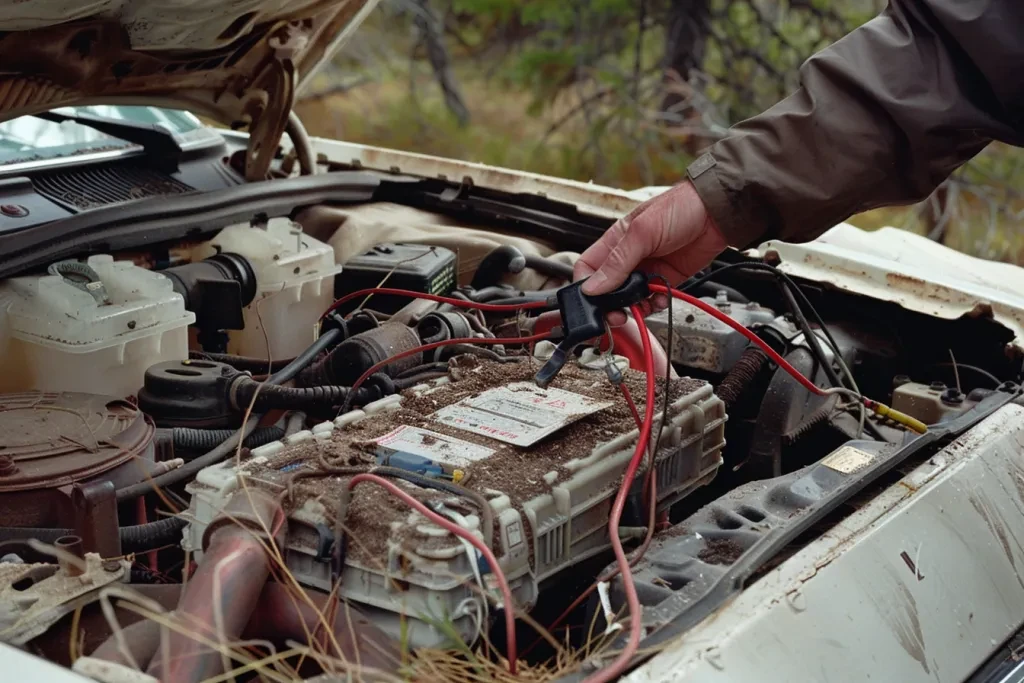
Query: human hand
point(669, 235)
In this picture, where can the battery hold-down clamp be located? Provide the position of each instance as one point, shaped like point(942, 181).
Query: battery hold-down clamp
point(583, 318)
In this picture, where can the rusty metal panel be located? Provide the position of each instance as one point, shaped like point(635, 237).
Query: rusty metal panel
point(909, 270)
point(922, 583)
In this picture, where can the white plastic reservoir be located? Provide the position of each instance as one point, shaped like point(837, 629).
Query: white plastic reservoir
point(294, 282)
point(71, 332)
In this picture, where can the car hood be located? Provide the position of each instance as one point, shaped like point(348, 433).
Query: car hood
point(912, 271)
point(239, 62)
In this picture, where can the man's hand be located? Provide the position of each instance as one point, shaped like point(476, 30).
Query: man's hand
point(669, 235)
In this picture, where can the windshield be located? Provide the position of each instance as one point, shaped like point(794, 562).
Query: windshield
point(29, 138)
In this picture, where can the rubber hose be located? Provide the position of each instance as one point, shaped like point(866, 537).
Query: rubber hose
point(134, 539)
point(735, 383)
point(245, 363)
point(500, 293)
point(264, 398)
point(216, 455)
point(288, 373)
point(188, 439)
point(509, 259)
point(412, 380)
point(302, 144)
point(437, 366)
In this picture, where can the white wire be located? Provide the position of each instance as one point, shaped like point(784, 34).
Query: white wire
point(858, 399)
point(474, 563)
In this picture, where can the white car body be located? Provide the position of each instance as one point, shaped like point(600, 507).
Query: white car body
point(847, 607)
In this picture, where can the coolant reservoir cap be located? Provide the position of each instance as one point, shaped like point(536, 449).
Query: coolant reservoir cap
point(53, 439)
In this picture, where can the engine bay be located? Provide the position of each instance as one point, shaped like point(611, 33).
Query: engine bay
point(330, 430)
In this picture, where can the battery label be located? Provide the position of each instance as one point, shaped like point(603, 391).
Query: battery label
point(433, 446)
point(520, 414)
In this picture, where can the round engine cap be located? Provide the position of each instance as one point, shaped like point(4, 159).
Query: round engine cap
point(52, 439)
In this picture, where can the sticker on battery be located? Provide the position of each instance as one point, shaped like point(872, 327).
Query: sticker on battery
point(520, 414)
point(437, 447)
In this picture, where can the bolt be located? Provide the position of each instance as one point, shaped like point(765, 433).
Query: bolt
point(111, 566)
point(952, 396)
point(7, 466)
point(722, 300)
point(772, 257)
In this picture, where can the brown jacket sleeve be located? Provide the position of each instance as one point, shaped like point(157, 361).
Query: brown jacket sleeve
point(883, 116)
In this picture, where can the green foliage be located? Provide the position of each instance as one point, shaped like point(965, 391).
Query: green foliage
point(581, 89)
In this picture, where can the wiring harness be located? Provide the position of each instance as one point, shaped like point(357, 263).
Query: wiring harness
point(582, 320)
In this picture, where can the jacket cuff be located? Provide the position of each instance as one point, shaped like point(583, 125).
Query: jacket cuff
point(727, 207)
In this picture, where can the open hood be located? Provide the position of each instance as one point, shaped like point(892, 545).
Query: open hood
point(912, 271)
point(239, 62)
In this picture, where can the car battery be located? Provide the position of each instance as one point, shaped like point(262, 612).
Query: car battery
point(416, 267)
point(547, 462)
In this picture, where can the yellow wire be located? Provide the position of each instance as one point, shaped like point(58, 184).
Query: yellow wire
point(907, 421)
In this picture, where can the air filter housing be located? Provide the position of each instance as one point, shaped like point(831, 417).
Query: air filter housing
point(49, 441)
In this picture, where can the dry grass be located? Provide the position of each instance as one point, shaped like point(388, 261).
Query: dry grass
point(502, 132)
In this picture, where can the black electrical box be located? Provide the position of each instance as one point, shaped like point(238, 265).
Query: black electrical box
point(417, 267)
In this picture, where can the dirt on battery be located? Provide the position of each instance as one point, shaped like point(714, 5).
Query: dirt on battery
point(516, 472)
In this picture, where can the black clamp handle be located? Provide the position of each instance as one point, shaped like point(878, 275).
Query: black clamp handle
point(583, 317)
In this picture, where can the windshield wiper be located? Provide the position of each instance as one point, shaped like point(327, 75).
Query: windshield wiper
point(157, 142)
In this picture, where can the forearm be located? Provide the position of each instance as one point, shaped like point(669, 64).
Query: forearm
point(882, 117)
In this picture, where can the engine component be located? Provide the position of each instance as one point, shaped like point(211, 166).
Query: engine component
point(626, 340)
point(34, 597)
point(277, 617)
point(791, 405)
point(189, 393)
point(217, 290)
point(207, 394)
point(91, 327)
point(416, 267)
point(135, 538)
point(583, 318)
point(509, 259)
point(547, 460)
point(202, 440)
point(294, 285)
point(346, 362)
point(702, 342)
point(931, 403)
point(223, 593)
point(443, 325)
point(685, 562)
point(51, 441)
point(742, 374)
